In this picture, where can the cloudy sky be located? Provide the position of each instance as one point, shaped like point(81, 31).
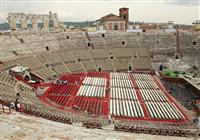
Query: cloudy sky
point(179, 11)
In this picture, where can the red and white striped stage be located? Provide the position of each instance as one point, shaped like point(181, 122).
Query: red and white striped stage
point(129, 96)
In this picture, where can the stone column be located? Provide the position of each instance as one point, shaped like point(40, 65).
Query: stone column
point(24, 24)
point(34, 24)
point(55, 23)
point(46, 24)
point(12, 24)
point(97, 25)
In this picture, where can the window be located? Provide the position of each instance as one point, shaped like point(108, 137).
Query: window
point(124, 16)
point(143, 30)
point(111, 57)
point(99, 69)
point(103, 35)
point(47, 48)
point(157, 42)
point(78, 60)
point(115, 27)
point(176, 57)
point(129, 68)
point(14, 52)
point(88, 44)
point(21, 40)
point(67, 37)
point(123, 43)
point(194, 43)
point(47, 65)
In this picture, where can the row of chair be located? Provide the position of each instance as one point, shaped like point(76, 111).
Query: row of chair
point(142, 77)
point(116, 75)
point(94, 81)
point(152, 95)
point(163, 110)
point(121, 83)
point(154, 129)
point(92, 91)
point(126, 108)
point(146, 84)
point(123, 93)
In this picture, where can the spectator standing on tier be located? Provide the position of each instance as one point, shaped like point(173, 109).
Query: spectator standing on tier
point(18, 95)
point(109, 119)
point(113, 119)
point(17, 105)
point(12, 105)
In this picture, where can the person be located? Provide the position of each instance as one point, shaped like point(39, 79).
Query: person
point(109, 119)
point(113, 119)
point(12, 105)
point(18, 95)
point(16, 104)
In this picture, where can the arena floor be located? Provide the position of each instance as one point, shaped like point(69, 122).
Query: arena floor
point(127, 96)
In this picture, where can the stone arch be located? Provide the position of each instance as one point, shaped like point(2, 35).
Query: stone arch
point(51, 23)
point(194, 43)
point(18, 24)
point(29, 24)
point(40, 24)
point(115, 27)
point(39, 21)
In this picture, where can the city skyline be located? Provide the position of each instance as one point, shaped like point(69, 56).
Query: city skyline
point(179, 11)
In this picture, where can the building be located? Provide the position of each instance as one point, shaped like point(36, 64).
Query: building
point(114, 22)
point(197, 25)
point(32, 21)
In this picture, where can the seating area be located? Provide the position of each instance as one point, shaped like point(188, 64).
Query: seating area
point(123, 93)
point(184, 94)
point(117, 94)
point(47, 74)
point(163, 110)
point(146, 85)
point(91, 91)
point(126, 108)
point(61, 69)
point(6, 78)
point(50, 62)
point(7, 65)
point(138, 102)
point(32, 105)
point(25, 61)
point(61, 94)
point(152, 95)
point(89, 105)
point(105, 65)
point(93, 87)
point(154, 129)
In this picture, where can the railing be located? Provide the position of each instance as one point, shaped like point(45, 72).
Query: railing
point(5, 107)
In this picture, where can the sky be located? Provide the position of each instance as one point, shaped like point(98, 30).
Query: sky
point(179, 11)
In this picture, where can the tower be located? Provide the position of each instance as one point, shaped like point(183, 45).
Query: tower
point(123, 13)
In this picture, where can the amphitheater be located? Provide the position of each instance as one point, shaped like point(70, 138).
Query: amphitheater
point(103, 74)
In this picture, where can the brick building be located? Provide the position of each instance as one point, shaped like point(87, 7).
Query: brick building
point(114, 22)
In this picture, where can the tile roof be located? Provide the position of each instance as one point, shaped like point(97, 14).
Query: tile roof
point(111, 17)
